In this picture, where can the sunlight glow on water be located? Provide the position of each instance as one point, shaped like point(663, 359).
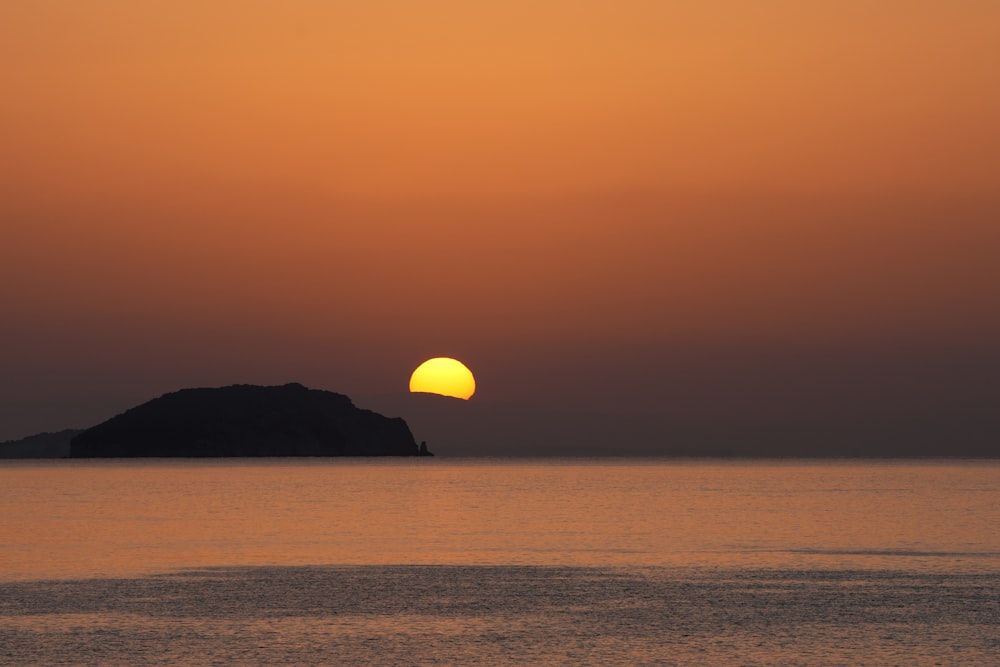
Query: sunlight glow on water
point(437, 562)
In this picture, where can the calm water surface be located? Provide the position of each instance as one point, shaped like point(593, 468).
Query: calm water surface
point(499, 562)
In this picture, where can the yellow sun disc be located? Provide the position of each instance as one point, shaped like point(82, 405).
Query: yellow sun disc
point(444, 376)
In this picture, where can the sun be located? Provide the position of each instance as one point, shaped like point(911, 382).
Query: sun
point(444, 376)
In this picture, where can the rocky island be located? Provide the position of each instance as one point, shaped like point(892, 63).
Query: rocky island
point(247, 420)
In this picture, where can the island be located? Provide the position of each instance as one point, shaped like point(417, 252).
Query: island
point(45, 445)
point(247, 421)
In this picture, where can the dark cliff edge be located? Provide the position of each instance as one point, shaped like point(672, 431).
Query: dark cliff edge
point(39, 446)
point(247, 421)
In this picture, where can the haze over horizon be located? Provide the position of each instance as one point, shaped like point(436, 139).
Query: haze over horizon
point(768, 215)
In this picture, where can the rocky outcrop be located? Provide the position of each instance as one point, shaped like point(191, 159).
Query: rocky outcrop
point(247, 420)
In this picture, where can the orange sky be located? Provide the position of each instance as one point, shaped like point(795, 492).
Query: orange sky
point(330, 192)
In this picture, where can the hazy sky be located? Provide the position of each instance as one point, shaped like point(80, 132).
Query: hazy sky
point(633, 205)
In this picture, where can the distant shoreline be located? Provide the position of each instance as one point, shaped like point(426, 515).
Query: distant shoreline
point(5, 456)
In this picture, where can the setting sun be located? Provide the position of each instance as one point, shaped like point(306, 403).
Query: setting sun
point(444, 376)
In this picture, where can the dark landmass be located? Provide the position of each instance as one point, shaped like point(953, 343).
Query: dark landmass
point(40, 446)
point(23, 416)
point(295, 421)
point(247, 421)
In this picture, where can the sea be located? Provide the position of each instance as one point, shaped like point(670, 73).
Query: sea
point(434, 561)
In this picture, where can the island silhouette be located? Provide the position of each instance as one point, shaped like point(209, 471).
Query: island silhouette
point(247, 421)
point(291, 420)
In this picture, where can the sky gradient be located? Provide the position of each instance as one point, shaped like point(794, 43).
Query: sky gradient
point(637, 207)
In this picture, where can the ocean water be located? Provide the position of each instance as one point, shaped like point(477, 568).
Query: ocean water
point(438, 562)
